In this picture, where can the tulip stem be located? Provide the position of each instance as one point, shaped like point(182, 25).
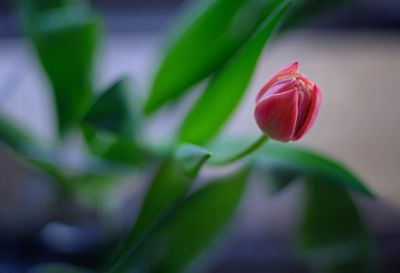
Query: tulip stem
point(245, 152)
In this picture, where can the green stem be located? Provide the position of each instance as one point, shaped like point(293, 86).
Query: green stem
point(248, 150)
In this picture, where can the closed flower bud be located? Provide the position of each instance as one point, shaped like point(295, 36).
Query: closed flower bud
point(286, 107)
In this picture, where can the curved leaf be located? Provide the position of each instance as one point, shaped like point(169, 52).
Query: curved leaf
point(114, 148)
point(65, 37)
point(204, 39)
point(112, 125)
point(112, 110)
point(228, 86)
point(12, 135)
point(31, 11)
point(191, 158)
point(167, 187)
point(189, 230)
point(309, 163)
point(62, 165)
point(276, 179)
point(333, 238)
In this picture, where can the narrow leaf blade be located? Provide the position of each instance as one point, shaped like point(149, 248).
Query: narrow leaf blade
point(65, 38)
point(228, 86)
point(307, 162)
point(332, 237)
point(12, 135)
point(167, 187)
point(189, 230)
point(213, 30)
point(190, 158)
point(112, 111)
point(60, 164)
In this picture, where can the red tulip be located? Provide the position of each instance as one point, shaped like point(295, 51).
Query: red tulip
point(286, 107)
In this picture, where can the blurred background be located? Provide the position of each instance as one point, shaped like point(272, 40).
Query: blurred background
point(352, 53)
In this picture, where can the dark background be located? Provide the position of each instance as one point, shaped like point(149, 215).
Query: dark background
point(139, 15)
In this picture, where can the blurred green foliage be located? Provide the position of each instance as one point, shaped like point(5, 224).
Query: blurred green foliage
point(188, 230)
point(215, 40)
point(112, 125)
point(303, 162)
point(113, 110)
point(332, 236)
point(168, 186)
point(65, 35)
point(228, 85)
point(208, 35)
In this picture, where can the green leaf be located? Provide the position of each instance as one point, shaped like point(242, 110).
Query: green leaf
point(57, 268)
point(20, 142)
point(333, 238)
point(189, 230)
point(66, 165)
point(167, 187)
point(12, 135)
point(31, 10)
point(276, 179)
point(307, 162)
point(75, 172)
point(58, 163)
point(114, 148)
point(228, 86)
point(235, 155)
point(190, 158)
point(112, 110)
point(204, 39)
point(126, 151)
point(112, 125)
point(65, 39)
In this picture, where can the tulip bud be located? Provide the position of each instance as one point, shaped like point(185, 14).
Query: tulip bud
point(286, 107)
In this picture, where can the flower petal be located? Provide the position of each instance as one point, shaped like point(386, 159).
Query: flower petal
point(276, 115)
point(280, 87)
point(316, 97)
point(289, 69)
point(286, 71)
